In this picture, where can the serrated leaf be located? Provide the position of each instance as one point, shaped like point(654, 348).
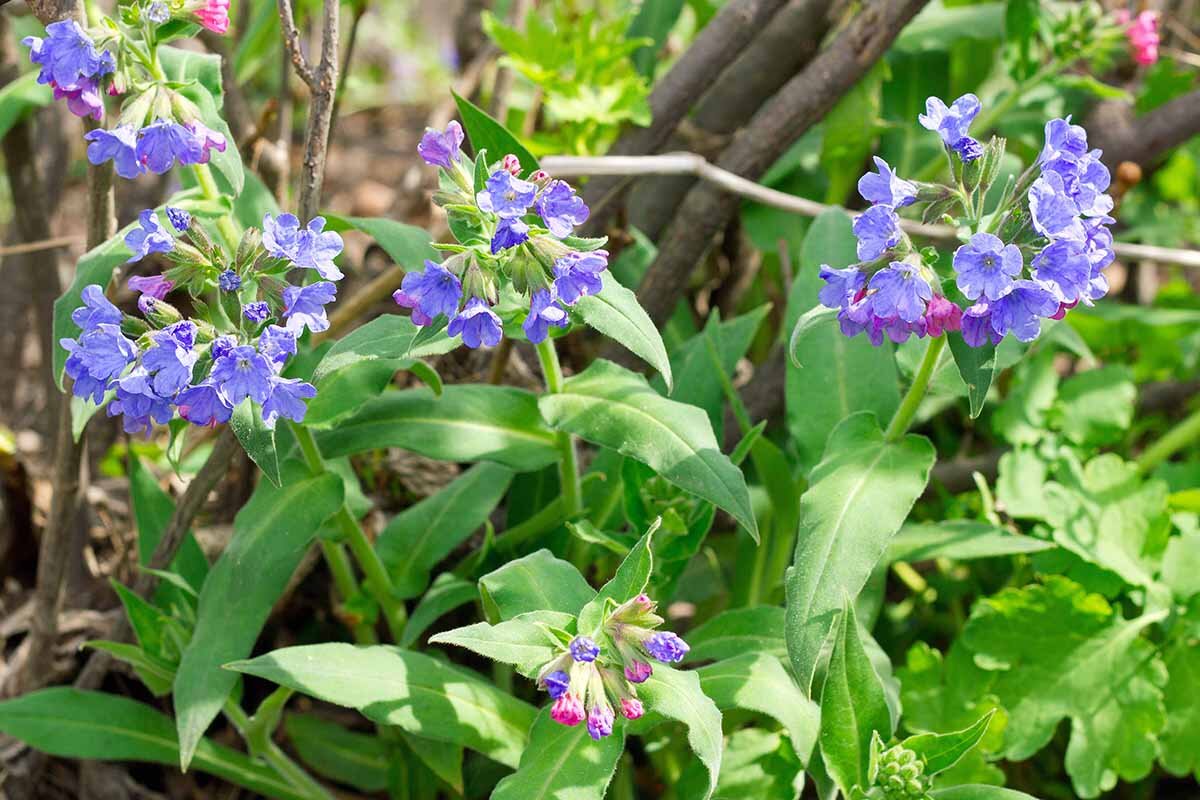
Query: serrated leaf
point(616, 313)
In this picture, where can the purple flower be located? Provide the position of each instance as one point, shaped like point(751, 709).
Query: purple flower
point(316, 249)
point(977, 326)
point(277, 344)
point(84, 101)
point(171, 358)
point(637, 671)
point(441, 148)
point(140, 405)
point(986, 266)
point(841, 285)
point(510, 232)
point(281, 236)
point(1064, 143)
point(433, 291)
point(632, 708)
point(968, 149)
point(900, 291)
point(151, 237)
point(97, 358)
point(1055, 215)
point(477, 324)
point(886, 188)
point(584, 649)
point(256, 312)
point(578, 274)
point(878, 230)
point(1064, 267)
point(287, 400)
point(208, 140)
point(666, 647)
point(118, 146)
point(304, 306)
point(158, 13)
point(506, 196)
point(1087, 186)
point(242, 373)
point(1098, 242)
point(1022, 309)
point(96, 309)
point(67, 56)
point(557, 683)
point(950, 123)
point(942, 315)
point(561, 209)
point(163, 142)
point(179, 219)
point(600, 719)
point(222, 346)
point(156, 286)
point(229, 281)
point(202, 404)
point(544, 311)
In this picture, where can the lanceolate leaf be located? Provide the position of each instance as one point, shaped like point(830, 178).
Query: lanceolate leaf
point(536, 582)
point(676, 695)
point(202, 72)
point(942, 751)
point(256, 439)
point(388, 338)
point(616, 313)
point(447, 593)
point(960, 539)
point(739, 630)
point(486, 133)
point(979, 792)
point(613, 407)
point(407, 245)
point(629, 581)
point(976, 365)
point(420, 694)
point(563, 762)
point(152, 509)
point(518, 641)
point(355, 759)
point(270, 536)
point(858, 497)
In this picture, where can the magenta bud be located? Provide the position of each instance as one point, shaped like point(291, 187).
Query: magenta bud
point(567, 710)
point(638, 671)
point(632, 708)
point(511, 164)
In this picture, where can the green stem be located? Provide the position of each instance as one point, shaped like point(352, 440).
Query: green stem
point(375, 574)
point(916, 393)
point(225, 225)
point(1171, 442)
point(274, 756)
point(568, 465)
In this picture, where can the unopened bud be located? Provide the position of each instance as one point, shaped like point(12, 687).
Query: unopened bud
point(511, 164)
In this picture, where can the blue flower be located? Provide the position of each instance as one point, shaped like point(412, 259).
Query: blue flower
point(1065, 144)
point(1064, 267)
point(151, 237)
point(277, 344)
point(878, 230)
point(886, 187)
point(156, 286)
point(433, 291)
point(1022, 309)
point(841, 285)
point(950, 123)
point(96, 309)
point(977, 325)
point(1098, 242)
point(83, 101)
point(986, 266)
point(1088, 184)
point(67, 56)
point(304, 306)
point(229, 281)
point(441, 148)
point(316, 249)
point(544, 311)
point(179, 219)
point(557, 683)
point(1055, 215)
point(118, 146)
point(584, 649)
point(281, 236)
point(600, 718)
point(222, 346)
point(100, 354)
point(506, 196)
point(202, 404)
point(561, 209)
point(287, 400)
point(477, 324)
point(666, 647)
point(163, 142)
point(578, 274)
point(207, 138)
point(158, 13)
point(510, 232)
point(170, 359)
point(256, 312)
point(968, 149)
point(242, 373)
point(900, 291)
point(140, 405)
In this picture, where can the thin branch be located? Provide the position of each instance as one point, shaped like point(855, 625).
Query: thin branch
point(360, 10)
point(52, 243)
point(1146, 138)
point(291, 42)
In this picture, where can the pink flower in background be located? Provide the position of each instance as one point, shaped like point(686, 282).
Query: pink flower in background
point(1142, 32)
point(214, 15)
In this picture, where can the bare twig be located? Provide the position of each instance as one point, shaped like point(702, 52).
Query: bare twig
point(1146, 138)
point(360, 9)
point(52, 243)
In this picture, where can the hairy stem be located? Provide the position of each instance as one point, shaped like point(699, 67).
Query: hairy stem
point(916, 393)
point(568, 464)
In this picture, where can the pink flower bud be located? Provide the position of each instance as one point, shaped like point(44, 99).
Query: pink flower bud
point(539, 176)
point(511, 164)
point(942, 315)
point(631, 707)
point(567, 710)
point(638, 671)
point(214, 15)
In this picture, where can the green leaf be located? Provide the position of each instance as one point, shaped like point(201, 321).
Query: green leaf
point(858, 497)
point(446, 762)
point(970, 792)
point(447, 593)
point(1021, 418)
point(151, 670)
point(739, 630)
point(518, 641)
point(536, 582)
point(563, 763)
point(391, 337)
point(20, 97)
point(416, 539)
point(653, 21)
point(1181, 564)
point(853, 708)
point(1179, 745)
point(675, 695)
point(756, 765)
point(152, 510)
point(355, 759)
point(1095, 407)
point(976, 365)
point(469, 422)
point(960, 539)
point(203, 72)
point(615, 408)
point(758, 682)
point(270, 535)
point(71, 723)
point(629, 581)
point(257, 439)
point(486, 133)
point(1059, 652)
point(616, 313)
point(942, 751)
point(390, 686)
point(407, 245)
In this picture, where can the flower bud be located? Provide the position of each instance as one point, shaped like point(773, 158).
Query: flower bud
point(511, 164)
point(159, 313)
point(248, 249)
point(136, 109)
point(185, 110)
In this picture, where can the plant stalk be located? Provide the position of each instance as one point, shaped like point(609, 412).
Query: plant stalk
point(1170, 443)
point(568, 464)
point(903, 417)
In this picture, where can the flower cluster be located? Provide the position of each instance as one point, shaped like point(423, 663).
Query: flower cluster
point(158, 127)
point(588, 680)
point(899, 773)
point(1056, 214)
point(236, 351)
point(1142, 33)
point(514, 234)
